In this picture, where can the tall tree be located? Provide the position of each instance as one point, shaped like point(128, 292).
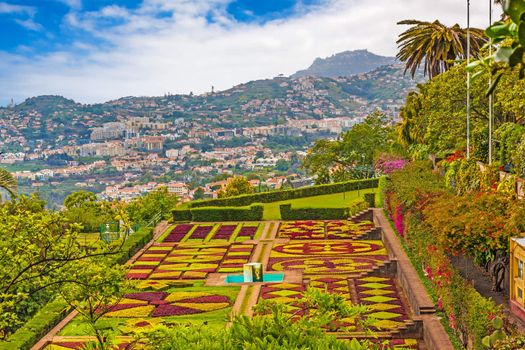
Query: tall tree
point(437, 45)
point(352, 156)
point(236, 185)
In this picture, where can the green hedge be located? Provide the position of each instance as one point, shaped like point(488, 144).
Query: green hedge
point(34, 329)
point(54, 311)
point(266, 197)
point(252, 213)
point(289, 213)
point(181, 215)
point(370, 199)
point(380, 198)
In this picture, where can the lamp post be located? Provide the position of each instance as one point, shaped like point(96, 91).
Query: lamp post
point(491, 112)
point(468, 79)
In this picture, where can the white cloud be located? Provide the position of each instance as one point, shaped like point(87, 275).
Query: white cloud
point(29, 24)
point(74, 4)
point(6, 8)
point(183, 53)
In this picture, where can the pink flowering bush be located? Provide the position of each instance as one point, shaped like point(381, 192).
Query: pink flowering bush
point(387, 164)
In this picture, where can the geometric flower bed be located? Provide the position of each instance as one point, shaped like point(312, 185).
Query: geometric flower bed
point(287, 294)
point(201, 232)
point(161, 304)
point(328, 257)
point(224, 232)
point(301, 230)
point(174, 261)
point(381, 296)
point(327, 265)
point(346, 229)
point(330, 248)
point(247, 232)
point(178, 233)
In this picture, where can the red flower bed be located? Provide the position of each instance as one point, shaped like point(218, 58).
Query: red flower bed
point(139, 276)
point(207, 299)
point(201, 232)
point(147, 296)
point(178, 233)
point(172, 310)
point(224, 232)
point(247, 231)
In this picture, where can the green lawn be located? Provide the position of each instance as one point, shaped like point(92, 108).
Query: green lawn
point(87, 239)
point(336, 200)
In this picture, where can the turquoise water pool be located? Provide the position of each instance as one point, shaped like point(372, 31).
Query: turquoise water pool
point(267, 277)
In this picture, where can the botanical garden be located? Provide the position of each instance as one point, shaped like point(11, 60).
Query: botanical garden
point(412, 237)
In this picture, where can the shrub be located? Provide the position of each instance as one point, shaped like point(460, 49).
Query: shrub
point(211, 214)
point(43, 321)
point(434, 223)
point(181, 215)
point(266, 197)
point(370, 199)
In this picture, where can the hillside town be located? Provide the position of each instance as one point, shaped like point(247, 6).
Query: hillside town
point(124, 148)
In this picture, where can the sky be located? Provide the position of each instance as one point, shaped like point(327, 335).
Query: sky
point(98, 50)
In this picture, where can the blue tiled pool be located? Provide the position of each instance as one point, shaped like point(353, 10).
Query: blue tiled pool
point(267, 277)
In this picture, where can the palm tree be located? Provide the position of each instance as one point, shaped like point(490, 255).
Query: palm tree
point(435, 44)
point(8, 182)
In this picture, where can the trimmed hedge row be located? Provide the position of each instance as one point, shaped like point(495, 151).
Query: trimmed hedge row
point(288, 213)
point(54, 311)
point(266, 197)
point(370, 199)
point(182, 215)
point(34, 329)
point(252, 213)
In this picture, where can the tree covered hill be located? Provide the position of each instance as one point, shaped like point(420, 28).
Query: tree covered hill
point(255, 103)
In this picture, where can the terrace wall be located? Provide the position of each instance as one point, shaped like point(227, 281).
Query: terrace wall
point(434, 333)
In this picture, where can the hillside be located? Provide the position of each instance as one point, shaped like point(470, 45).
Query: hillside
point(345, 64)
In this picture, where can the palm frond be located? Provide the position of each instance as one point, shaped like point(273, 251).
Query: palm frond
point(435, 45)
point(8, 182)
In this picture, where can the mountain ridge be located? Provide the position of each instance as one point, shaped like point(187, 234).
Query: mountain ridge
point(344, 64)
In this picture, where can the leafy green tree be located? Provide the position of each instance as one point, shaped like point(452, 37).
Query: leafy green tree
point(352, 156)
point(437, 45)
point(8, 182)
point(144, 209)
point(95, 287)
point(433, 118)
point(236, 185)
point(282, 165)
point(37, 247)
point(83, 208)
point(199, 193)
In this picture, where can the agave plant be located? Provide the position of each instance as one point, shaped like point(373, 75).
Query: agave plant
point(437, 45)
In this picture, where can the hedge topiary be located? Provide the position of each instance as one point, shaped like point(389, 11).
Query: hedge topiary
point(210, 214)
point(275, 196)
point(181, 215)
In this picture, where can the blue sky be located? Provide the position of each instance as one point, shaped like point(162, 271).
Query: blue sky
point(41, 26)
point(97, 50)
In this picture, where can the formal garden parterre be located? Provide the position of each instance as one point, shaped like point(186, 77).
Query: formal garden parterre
point(169, 279)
